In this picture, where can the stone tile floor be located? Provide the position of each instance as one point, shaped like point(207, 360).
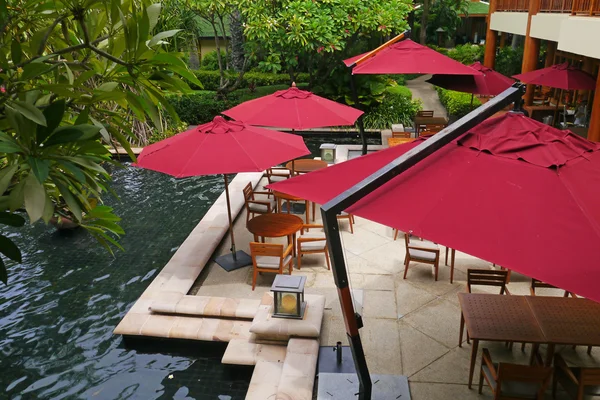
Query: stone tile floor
point(410, 326)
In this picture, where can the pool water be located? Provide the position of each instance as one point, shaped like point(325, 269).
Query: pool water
point(62, 303)
point(314, 142)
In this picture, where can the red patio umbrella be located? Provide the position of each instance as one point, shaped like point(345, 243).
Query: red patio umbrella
point(561, 76)
point(512, 191)
point(294, 109)
point(490, 83)
point(222, 147)
point(406, 57)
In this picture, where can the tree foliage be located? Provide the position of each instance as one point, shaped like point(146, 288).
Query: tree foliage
point(75, 77)
point(287, 29)
point(435, 14)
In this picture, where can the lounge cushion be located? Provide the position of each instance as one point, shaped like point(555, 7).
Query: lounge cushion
point(261, 208)
point(277, 178)
point(520, 390)
point(316, 245)
point(421, 255)
point(271, 262)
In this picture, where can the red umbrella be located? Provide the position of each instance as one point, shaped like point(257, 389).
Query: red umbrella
point(406, 57)
point(295, 109)
point(222, 147)
point(490, 83)
point(561, 76)
point(512, 191)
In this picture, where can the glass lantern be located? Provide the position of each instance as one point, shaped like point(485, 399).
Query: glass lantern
point(328, 152)
point(288, 293)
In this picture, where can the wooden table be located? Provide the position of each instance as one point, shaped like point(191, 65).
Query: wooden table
point(428, 121)
point(538, 112)
point(395, 141)
point(529, 319)
point(305, 165)
point(275, 225)
point(288, 197)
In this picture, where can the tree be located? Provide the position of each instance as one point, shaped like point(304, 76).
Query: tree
point(288, 30)
point(440, 14)
point(75, 77)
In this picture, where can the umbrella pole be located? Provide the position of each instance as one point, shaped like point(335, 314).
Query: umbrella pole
point(293, 167)
point(554, 120)
point(236, 259)
point(359, 122)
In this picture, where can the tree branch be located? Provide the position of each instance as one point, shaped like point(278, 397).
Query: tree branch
point(48, 33)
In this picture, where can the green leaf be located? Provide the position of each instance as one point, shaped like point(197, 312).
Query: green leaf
point(70, 75)
point(187, 74)
point(6, 175)
point(15, 198)
point(54, 114)
point(108, 86)
point(73, 133)
point(34, 197)
point(71, 201)
point(162, 35)
point(9, 147)
point(82, 118)
point(83, 77)
point(73, 169)
point(48, 210)
point(9, 249)
point(15, 52)
point(11, 219)
point(153, 11)
point(169, 59)
point(110, 226)
point(28, 111)
point(35, 69)
point(4, 17)
point(40, 168)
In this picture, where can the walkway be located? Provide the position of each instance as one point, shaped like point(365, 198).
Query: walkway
point(425, 91)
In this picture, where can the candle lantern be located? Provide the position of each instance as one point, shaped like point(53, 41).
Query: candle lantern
point(328, 152)
point(288, 293)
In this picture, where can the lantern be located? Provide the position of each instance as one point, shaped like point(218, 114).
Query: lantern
point(328, 152)
point(288, 292)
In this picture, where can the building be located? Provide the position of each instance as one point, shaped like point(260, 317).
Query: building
point(474, 23)
point(567, 30)
point(206, 36)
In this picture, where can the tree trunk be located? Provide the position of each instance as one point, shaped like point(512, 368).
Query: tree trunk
point(424, 18)
point(236, 31)
point(515, 41)
point(194, 62)
point(224, 38)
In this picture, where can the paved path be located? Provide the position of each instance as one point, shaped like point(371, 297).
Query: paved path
point(425, 91)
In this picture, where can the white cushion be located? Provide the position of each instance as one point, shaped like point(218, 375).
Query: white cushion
point(421, 255)
point(261, 208)
point(426, 244)
point(277, 178)
point(310, 246)
point(271, 261)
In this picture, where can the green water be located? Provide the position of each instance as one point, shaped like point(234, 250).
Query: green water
point(62, 303)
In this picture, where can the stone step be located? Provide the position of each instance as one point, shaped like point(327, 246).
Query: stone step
point(246, 352)
point(209, 306)
point(265, 377)
point(298, 373)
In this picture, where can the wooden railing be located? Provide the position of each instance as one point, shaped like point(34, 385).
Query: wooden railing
point(512, 5)
point(586, 7)
point(573, 7)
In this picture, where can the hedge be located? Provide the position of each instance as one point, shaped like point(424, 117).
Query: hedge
point(212, 79)
point(457, 104)
point(397, 107)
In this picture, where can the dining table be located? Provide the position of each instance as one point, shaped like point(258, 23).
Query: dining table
point(305, 165)
point(280, 197)
point(273, 225)
point(528, 319)
point(423, 121)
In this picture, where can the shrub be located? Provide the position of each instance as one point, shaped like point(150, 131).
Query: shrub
point(209, 61)
point(457, 104)
point(212, 79)
point(463, 53)
point(397, 107)
point(509, 61)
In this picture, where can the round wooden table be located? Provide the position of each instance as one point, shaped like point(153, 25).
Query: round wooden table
point(275, 225)
point(282, 196)
point(305, 165)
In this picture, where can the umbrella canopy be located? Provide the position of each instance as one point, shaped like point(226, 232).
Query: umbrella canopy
point(490, 83)
point(511, 191)
point(221, 147)
point(407, 57)
point(560, 76)
point(295, 109)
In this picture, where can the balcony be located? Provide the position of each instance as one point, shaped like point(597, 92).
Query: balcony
point(573, 7)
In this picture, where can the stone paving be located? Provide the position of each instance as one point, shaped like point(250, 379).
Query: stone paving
point(410, 326)
point(427, 94)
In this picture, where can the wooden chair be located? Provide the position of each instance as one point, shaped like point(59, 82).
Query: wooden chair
point(349, 217)
point(423, 252)
point(430, 129)
point(579, 383)
point(425, 113)
point(254, 206)
point(401, 135)
point(513, 381)
point(277, 174)
point(270, 257)
point(311, 243)
point(487, 277)
point(539, 284)
point(483, 277)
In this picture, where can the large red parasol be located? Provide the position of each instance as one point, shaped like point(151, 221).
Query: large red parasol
point(511, 191)
point(222, 147)
point(294, 109)
point(406, 57)
point(490, 83)
point(561, 76)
